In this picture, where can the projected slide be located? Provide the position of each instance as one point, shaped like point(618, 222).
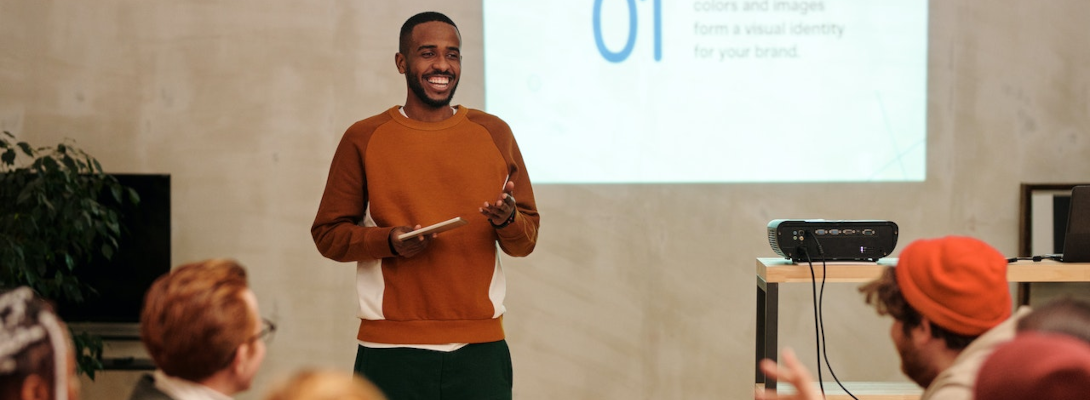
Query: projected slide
point(693, 91)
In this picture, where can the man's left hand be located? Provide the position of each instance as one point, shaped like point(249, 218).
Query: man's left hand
point(503, 208)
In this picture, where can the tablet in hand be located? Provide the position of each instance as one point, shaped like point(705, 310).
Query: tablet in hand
point(435, 228)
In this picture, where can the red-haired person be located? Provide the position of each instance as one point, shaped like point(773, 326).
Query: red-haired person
point(202, 327)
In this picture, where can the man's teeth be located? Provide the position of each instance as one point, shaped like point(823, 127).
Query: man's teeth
point(439, 80)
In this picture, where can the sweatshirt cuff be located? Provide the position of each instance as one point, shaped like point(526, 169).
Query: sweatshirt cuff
point(377, 242)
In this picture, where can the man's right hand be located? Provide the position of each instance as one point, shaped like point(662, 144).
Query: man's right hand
point(794, 373)
point(411, 246)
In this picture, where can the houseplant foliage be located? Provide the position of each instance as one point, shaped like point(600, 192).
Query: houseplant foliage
point(51, 223)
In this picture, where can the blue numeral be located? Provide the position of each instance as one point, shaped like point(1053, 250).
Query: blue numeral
point(622, 55)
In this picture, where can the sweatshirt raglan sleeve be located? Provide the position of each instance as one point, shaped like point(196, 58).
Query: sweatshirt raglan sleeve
point(337, 230)
point(518, 238)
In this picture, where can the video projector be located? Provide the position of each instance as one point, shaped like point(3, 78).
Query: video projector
point(832, 240)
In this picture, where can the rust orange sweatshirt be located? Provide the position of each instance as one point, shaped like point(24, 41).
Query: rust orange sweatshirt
point(391, 171)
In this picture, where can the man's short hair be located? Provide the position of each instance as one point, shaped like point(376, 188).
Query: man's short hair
point(194, 318)
point(27, 345)
point(413, 21)
point(886, 296)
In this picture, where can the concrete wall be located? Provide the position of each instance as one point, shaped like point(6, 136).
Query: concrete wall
point(635, 291)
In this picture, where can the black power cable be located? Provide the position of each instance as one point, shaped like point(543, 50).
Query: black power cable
point(819, 319)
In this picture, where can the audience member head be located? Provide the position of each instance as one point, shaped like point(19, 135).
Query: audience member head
point(325, 384)
point(1036, 366)
point(1065, 315)
point(36, 357)
point(201, 323)
point(951, 288)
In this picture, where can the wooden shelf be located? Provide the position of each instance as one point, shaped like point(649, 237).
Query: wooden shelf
point(863, 390)
point(780, 270)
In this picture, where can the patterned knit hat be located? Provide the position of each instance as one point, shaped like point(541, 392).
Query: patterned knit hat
point(26, 323)
point(1036, 366)
point(959, 283)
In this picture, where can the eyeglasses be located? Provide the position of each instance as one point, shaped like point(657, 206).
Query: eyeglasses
point(268, 328)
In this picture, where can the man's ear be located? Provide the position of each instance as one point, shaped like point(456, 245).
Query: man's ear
point(34, 388)
point(399, 60)
point(239, 364)
point(922, 332)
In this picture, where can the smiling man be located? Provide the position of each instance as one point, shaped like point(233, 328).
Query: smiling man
point(430, 306)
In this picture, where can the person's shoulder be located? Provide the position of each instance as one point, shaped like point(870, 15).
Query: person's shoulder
point(948, 392)
point(370, 123)
point(489, 121)
point(478, 113)
point(145, 390)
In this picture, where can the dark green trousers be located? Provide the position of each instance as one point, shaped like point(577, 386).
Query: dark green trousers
point(479, 371)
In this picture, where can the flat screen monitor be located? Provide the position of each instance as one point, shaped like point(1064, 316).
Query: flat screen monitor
point(143, 255)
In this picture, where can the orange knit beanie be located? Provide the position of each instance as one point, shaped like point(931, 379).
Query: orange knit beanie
point(959, 283)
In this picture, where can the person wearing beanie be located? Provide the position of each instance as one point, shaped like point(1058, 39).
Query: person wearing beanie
point(1036, 365)
point(951, 307)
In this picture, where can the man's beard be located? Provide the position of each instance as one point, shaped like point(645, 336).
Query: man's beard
point(418, 90)
point(914, 366)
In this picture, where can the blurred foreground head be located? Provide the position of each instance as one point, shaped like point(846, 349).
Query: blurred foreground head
point(1036, 366)
point(325, 384)
point(201, 323)
point(1066, 315)
point(36, 358)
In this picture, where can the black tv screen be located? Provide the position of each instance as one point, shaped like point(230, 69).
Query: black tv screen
point(143, 255)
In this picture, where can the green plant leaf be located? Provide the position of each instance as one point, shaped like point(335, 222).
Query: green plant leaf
point(52, 222)
point(31, 279)
point(50, 165)
point(26, 149)
point(108, 251)
point(19, 258)
point(88, 349)
point(115, 191)
point(24, 195)
point(70, 163)
point(134, 197)
point(48, 204)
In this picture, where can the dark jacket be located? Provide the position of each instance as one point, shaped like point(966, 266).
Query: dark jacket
point(145, 390)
